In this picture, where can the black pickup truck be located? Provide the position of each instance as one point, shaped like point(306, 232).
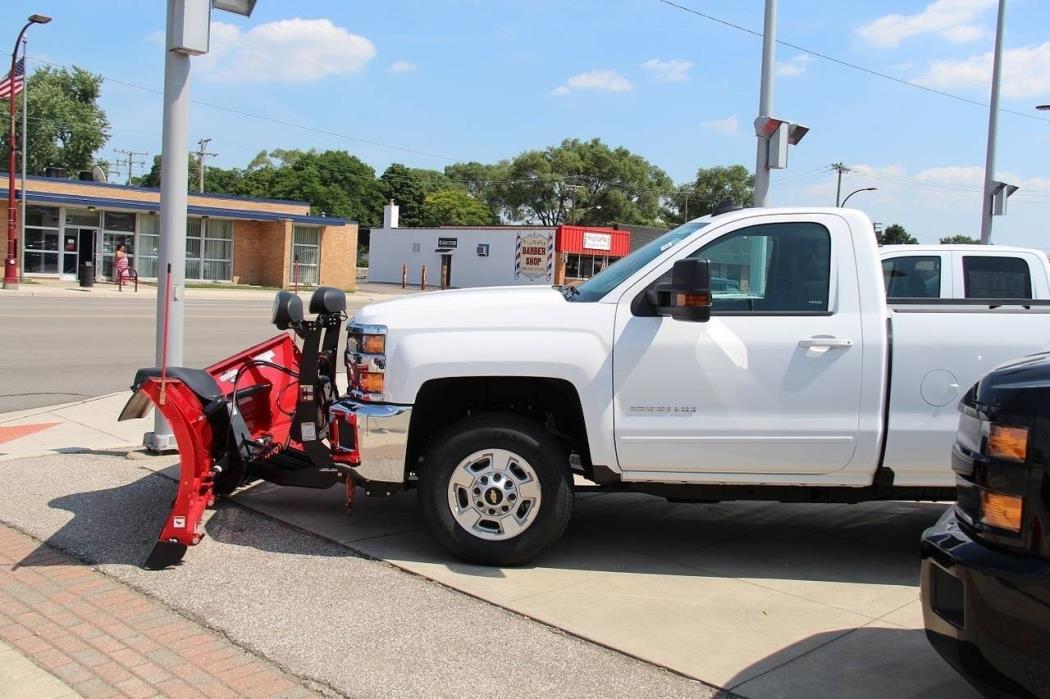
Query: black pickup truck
point(986, 563)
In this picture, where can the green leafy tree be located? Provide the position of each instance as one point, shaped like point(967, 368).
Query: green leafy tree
point(404, 187)
point(960, 239)
point(486, 183)
point(584, 182)
point(334, 182)
point(712, 186)
point(454, 207)
point(432, 180)
point(66, 125)
point(895, 235)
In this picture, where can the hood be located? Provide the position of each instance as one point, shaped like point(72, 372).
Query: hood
point(1018, 387)
point(479, 304)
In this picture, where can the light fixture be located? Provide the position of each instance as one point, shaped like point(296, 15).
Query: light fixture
point(39, 19)
point(240, 7)
point(1043, 107)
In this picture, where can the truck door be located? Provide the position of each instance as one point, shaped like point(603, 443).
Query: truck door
point(771, 384)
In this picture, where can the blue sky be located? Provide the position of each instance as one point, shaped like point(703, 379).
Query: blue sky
point(482, 80)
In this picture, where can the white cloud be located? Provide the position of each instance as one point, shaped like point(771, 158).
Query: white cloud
point(288, 50)
point(952, 20)
point(401, 66)
point(674, 70)
point(1026, 72)
point(609, 80)
point(795, 67)
point(729, 125)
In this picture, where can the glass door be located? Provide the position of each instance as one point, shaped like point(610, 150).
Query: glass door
point(70, 253)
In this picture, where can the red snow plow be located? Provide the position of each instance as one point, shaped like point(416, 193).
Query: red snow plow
point(262, 414)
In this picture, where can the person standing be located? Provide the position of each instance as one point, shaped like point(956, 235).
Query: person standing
point(120, 265)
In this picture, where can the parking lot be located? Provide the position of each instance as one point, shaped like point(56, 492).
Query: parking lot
point(761, 599)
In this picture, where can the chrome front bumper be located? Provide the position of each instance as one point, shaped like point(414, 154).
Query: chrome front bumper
point(381, 441)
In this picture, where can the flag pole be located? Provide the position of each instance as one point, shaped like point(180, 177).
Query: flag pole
point(25, 149)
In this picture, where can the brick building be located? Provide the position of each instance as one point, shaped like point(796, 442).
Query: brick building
point(239, 240)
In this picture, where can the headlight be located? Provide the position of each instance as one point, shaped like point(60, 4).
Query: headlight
point(366, 361)
point(1009, 443)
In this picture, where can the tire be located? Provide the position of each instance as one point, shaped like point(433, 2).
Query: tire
point(520, 516)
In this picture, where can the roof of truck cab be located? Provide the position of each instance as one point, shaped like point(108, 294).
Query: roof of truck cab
point(957, 247)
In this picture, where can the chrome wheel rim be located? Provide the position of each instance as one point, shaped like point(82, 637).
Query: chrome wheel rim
point(494, 494)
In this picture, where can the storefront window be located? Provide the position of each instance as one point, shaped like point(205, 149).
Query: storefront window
point(149, 240)
point(209, 249)
point(585, 266)
point(82, 217)
point(306, 256)
point(41, 240)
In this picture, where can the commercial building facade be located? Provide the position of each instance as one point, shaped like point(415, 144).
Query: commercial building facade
point(467, 256)
point(238, 240)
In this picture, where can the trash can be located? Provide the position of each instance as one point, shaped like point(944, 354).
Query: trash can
point(87, 275)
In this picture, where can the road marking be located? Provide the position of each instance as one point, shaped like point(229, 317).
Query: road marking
point(8, 434)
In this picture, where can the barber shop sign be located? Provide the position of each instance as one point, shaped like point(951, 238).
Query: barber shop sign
point(534, 256)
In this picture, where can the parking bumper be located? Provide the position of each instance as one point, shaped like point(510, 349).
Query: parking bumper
point(376, 452)
point(987, 612)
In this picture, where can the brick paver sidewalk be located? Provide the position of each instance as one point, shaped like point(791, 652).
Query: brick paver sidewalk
point(105, 639)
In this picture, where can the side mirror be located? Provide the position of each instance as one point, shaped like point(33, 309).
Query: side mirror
point(328, 300)
point(688, 296)
point(287, 310)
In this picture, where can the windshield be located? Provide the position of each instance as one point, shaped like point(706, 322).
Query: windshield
point(608, 279)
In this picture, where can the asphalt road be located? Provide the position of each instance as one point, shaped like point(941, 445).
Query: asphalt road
point(57, 350)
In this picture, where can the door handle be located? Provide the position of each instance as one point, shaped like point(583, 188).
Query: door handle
point(811, 342)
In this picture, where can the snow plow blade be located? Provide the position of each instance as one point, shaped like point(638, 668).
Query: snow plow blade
point(180, 406)
point(216, 441)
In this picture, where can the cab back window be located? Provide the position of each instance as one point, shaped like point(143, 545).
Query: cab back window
point(915, 277)
point(996, 278)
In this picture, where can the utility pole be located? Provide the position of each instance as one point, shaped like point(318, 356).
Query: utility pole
point(202, 153)
point(838, 190)
point(993, 125)
point(765, 100)
point(131, 162)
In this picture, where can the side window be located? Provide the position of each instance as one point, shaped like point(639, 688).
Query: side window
point(912, 277)
point(996, 278)
point(774, 268)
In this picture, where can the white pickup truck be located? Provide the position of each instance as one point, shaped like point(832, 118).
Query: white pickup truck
point(801, 383)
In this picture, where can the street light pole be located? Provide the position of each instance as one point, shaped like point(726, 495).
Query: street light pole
point(993, 125)
point(857, 191)
point(765, 100)
point(11, 260)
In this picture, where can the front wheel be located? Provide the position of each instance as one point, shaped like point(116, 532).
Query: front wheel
point(496, 489)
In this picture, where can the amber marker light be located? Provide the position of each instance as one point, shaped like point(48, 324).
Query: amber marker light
point(1001, 510)
point(373, 344)
point(1010, 443)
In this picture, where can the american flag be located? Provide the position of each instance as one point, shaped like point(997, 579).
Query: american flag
point(11, 86)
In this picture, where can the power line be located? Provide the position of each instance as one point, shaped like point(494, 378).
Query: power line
point(263, 117)
point(847, 64)
point(202, 154)
point(131, 161)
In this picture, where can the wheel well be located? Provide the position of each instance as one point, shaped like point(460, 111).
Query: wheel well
point(553, 403)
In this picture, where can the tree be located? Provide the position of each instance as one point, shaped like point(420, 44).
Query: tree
point(66, 125)
point(433, 180)
point(583, 182)
point(334, 182)
point(404, 187)
point(958, 238)
point(454, 207)
point(486, 183)
point(895, 235)
point(713, 186)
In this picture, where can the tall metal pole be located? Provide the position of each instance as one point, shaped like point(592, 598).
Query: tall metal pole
point(993, 126)
point(765, 100)
point(173, 194)
point(25, 152)
point(10, 260)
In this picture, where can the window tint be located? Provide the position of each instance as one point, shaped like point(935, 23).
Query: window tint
point(996, 278)
point(912, 277)
point(776, 268)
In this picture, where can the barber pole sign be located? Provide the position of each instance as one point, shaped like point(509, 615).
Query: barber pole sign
point(534, 256)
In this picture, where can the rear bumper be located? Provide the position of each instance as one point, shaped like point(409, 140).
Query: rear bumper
point(376, 453)
point(987, 612)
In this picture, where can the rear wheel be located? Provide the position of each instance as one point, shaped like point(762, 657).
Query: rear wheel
point(496, 489)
